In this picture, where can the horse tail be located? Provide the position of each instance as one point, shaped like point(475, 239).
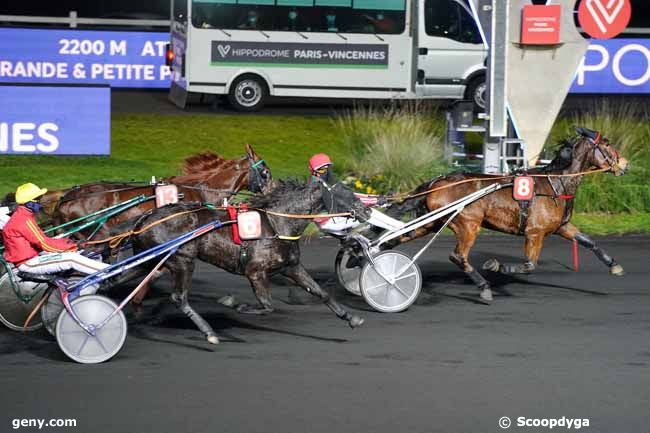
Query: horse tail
point(415, 201)
point(128, 225)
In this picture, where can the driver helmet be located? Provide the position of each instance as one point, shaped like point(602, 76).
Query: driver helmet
point(28, 192)
point(319, 163)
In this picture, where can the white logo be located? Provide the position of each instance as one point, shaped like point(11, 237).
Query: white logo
point(609, 12)
point(223, 50)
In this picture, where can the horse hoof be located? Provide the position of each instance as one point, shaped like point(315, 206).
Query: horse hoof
point(491, 265)
point(486, 295)
point(212, 339)
point(228, 301)
point(617, 270)
point(355, 321)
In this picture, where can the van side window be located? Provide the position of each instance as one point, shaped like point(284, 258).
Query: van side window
point(448, 19)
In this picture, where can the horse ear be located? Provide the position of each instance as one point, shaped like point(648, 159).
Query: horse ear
point(250, 151)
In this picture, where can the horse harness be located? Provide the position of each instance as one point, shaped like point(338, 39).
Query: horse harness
point(524, 205)
point(244, 245)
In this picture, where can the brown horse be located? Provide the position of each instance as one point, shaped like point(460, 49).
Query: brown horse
point(549, 211)
point(207, 177)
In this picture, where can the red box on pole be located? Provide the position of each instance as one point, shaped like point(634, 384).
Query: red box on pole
point(540, 25)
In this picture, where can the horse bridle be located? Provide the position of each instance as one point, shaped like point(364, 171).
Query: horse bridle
point(254, 174)
point(612, 162)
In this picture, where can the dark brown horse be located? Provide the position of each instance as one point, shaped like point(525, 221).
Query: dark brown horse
point(272, 253)
point(549, 212)
point(207, 177)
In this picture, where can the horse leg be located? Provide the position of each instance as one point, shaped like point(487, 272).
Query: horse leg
point(300, 275)
point(260, 282)
point(136, 302)
point(465, 238)
point(532, 249)
point(182, 281)
point(571, 232)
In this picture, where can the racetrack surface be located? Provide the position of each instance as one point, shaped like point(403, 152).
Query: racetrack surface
point(564, 344)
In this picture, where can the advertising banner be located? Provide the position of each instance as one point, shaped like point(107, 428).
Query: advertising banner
point(55, 120)
point(119, 59)
point(299, 55)
point(615, 66)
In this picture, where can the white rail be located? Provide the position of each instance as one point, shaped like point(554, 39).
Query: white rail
point(73, 20)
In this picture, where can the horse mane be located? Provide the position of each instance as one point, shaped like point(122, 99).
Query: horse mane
point(199, 168)
point(204, 161)
point(287, 191)
point(557, 163)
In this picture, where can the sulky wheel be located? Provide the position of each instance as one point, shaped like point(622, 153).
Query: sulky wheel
point(53, 306)
point(79, 345)
point(348, 269)
point(392, 284)
point(13, 310)
point(51, 310)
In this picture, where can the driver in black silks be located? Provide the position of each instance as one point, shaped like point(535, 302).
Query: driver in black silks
point(336, 196)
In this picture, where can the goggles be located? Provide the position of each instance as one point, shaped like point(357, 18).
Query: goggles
point(322, 170)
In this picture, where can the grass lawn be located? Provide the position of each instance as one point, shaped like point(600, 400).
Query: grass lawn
point(612, 224)
point(147, 145)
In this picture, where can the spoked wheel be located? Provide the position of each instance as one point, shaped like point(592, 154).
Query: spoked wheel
point(13, 311)
point(53, 306)
point(392, 284)
point(82, 347)
point(348, 269)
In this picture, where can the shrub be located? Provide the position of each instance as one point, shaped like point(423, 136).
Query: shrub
point(392, 148)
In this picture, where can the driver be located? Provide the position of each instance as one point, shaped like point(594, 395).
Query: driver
point(30, 250)
point(339, 198)
point(336, 196)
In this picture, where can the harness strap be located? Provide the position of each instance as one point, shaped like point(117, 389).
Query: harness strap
point(524, 206)
point(289, 238)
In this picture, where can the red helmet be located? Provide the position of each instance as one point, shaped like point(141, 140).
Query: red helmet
point(319, 160)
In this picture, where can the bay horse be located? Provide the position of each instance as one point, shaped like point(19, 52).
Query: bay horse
point(207, 177)
point(277, 251)
point(549, 211)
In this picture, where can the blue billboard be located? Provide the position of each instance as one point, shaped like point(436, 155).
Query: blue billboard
point(55, 120)
point(119, 59)
point(615, 66)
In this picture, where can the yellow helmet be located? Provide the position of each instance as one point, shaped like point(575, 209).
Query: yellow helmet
point(28, 192)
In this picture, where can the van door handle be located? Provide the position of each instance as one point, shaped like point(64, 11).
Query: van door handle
point(423, 51)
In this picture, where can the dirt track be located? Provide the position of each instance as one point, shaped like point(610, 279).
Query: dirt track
point(565, 344)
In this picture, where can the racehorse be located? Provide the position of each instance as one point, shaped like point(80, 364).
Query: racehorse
point(207, 177)
point(549, 211)
point(277, 251)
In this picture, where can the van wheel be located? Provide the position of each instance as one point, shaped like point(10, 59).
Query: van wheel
point(476, 92)
point(248, 93)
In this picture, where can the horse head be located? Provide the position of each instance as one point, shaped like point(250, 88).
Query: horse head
point(259, 173)
point(594, 150)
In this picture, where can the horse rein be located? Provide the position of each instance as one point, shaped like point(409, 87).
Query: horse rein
point(613, 165)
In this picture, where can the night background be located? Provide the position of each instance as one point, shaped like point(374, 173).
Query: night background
point(160, 9)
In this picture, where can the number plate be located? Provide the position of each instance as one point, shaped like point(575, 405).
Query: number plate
point(166, 194)
point(250, 225)
point(523, 188)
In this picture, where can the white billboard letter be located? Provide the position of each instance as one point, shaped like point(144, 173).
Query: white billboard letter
point(604, 61)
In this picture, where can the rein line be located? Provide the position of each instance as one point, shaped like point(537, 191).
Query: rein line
point(402, 197)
